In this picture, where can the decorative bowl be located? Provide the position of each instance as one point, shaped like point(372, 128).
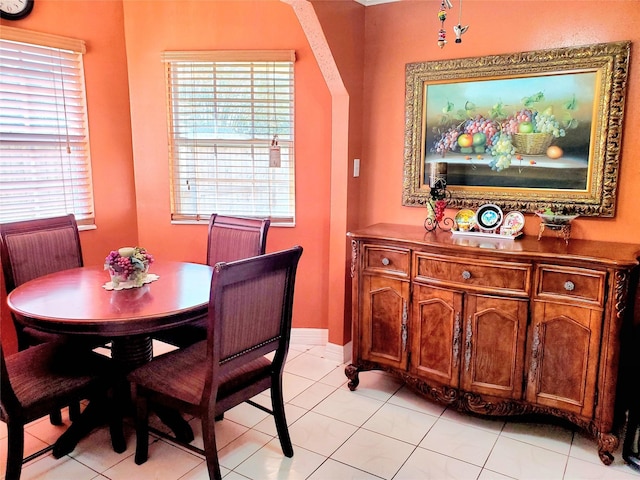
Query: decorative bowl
point(556, 219)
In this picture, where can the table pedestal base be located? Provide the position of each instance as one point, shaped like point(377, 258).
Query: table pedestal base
point(127, 353)
point(131, 352)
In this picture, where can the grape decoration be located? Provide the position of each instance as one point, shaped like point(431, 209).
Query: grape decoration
point(436, 206)
point(128, 264)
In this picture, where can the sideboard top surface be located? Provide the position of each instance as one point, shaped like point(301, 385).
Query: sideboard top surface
point(621, 255)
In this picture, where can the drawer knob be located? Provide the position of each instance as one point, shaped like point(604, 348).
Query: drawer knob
point(569, 286)
point(466, 275)
point(385, 261)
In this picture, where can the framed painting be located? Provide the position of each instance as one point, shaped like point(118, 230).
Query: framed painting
point(526, 131)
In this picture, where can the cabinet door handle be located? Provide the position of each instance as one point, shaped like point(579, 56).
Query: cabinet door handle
point(385, 261)
point(467, 345)
point(569, 286)
point(456, 340)
point(466, 275)
point(404, 332)
point(535, 347)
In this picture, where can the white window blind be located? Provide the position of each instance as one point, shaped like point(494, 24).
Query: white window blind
point(224, 109)
point(44, 145)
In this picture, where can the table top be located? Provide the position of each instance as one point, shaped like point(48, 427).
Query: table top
point(75, 302)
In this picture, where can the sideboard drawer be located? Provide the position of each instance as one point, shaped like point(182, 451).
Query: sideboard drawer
point(469, 273)
point(388, 260)
point(571, 283)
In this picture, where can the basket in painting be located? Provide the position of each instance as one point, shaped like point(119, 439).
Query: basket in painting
point(532, 143)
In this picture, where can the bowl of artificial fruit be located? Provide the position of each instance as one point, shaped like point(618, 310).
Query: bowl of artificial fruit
point(549, 217)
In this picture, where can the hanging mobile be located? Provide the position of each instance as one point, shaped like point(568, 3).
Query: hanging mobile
point(459, 29)
point(442, 16)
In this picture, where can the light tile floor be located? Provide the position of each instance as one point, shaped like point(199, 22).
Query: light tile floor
point(381, 431)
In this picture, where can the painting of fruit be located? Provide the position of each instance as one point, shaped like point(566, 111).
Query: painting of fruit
point(528, 130)
point(525, 129)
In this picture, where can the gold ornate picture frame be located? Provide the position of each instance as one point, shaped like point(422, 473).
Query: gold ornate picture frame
point(526, 131)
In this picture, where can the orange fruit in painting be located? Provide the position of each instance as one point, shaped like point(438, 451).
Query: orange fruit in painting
point(554, 152)
point(465, 140)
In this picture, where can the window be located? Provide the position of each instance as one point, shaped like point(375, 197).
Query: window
point(225, 108)
point(44, 144)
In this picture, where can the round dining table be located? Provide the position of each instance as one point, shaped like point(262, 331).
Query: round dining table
point(76, 302)
point(82, 301)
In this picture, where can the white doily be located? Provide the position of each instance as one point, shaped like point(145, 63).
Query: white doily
point(151, 277)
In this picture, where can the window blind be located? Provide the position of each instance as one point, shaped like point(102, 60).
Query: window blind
point(226, 110)
point(45, 167)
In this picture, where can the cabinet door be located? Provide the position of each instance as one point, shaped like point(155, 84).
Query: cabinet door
point(436, 334)
point(494, 336)
point(563, 359)
point(384, 321)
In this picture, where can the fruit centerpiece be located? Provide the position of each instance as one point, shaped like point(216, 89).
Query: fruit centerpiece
point(527, 131)
point(128, 264)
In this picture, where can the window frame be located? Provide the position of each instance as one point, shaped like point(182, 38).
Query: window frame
point(68, 172)
point(201, 148)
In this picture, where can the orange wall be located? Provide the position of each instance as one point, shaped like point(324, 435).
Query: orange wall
point(403, 32)
point(100, 24)
point(152, 27)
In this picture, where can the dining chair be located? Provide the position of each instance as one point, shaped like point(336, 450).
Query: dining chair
point(229, 238)
point(46, 377)
point(249, 316)
point(31, 249)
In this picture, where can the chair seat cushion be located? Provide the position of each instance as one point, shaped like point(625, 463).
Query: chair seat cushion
point(181, 374)
point(43, 373)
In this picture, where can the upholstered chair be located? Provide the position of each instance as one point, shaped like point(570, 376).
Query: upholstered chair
point(249, 327)
point(229, 239)
point(44, 378)
point(34, 248)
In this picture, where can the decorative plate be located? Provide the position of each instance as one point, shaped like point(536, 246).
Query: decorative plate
point(514, 221)
point(466, 219)
point(489, 216)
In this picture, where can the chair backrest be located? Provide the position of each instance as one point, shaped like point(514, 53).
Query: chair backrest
point(250, 311)
point(233, 238)
point(33, 248)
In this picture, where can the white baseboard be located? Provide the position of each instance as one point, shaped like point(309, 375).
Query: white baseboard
point(309, 336)
point(340, 353)
point(319, 336)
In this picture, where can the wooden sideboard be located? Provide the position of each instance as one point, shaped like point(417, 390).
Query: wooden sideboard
point(496, 326)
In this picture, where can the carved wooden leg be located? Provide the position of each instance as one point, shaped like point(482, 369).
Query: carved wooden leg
point(351, 371)
point(607, 444)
